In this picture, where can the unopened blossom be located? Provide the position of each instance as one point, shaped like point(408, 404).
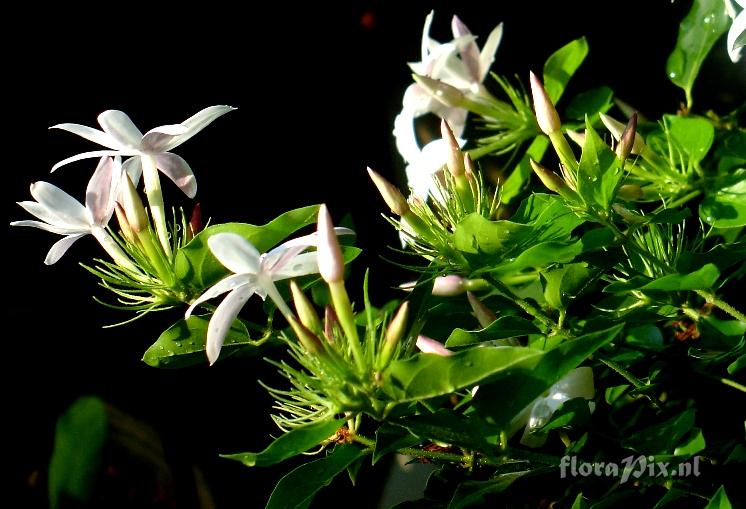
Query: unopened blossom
point(429, 345)
point(253, 273)
point(422, 172)
point(736, 39)
point(62, 214)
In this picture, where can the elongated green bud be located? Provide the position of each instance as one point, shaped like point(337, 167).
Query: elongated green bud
point(390, 193)
point(124, 225)
point(484, 315)
point(304, 308)
point(627, 140)
point(546, 114)
point(133, 207)
point(630, 192)
point(455, 161)
point(308, 339)
point(551, 180)
point(394, 334)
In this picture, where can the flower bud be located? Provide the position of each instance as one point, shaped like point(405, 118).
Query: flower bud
point(123, 223)
point(551, 180)
point(484, 315)
point(133, 207)
point(626, 142)
point(455, 162)
point(195, 221)
point(626, 214)
point(304, 308)
point(578, 138)
point(308, 339)
point(448, 286)
point(330, 321)
point(630, 192)
point(616, 129)
point(394, 334)
point(391, 195)
point(329, 254)
point(428, 345)
point(446, 94)
point(469, 167)
point(546, 114)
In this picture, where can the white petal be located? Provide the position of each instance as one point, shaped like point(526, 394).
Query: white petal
point(270, 289)
point(469, 51)
point(158, 139)
point(46, 215)
point(133, 167)
point(578, 383)
point(117, 124)
point(60, 248)
point(235, 253)
point(177, 169)
point(487, 56)
point(60, 230)
point(59, 203)
point(426, 41)
point(224, 285)
point(223, 318)
point(736, 36)
point(98, 193)
point(299, 265)
point(406, 136)
point(90, 134)
point(197, 122)
point(427, 345)
point(90, 155)
point(309, 240)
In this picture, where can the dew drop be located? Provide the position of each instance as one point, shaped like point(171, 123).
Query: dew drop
point(709, 219)
point(673, 75)
point(707, 20)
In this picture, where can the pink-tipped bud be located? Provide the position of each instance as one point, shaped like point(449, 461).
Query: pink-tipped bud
point(124, 225)
point(304, 308)
point(133, 207)
point(308, 339)
point(195, 221)
point(626, 142)
point(484, 315)
point(329, 254)
point(616, 129)
point(551, 180)
point(448, 286)
point(427, 345)
point(391, 195)
point(455, 162)
point(575, 136)
point(469, 167)
point(546, 114)
point(442, 92)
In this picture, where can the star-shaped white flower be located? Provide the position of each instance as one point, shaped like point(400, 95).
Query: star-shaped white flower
point(737, 33)
point(62, 214)
point(253, 273)
point(121, 137)
point(458, 63)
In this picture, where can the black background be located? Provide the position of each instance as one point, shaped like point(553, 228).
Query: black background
point(317, 88)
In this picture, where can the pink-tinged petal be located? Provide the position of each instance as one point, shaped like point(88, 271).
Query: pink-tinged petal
point(469, 51)
point(197, 122)
point(98, 193)
point(60, 248)
point(43, 213)
point(90, 134)
point(133, 168)
point(737, 36)
point(427, 345)
point(310, 240)
point(90, 155)
point(331, 263)
point(60, 203)
point(235, 253)
point(117, 124)
point(487, 56)
point(448, 286)
point(426, 41)
point(223, 318)
point(158, 139)
point(299, 265)
point(177, 169)
point(224, 285)
point(54, 228)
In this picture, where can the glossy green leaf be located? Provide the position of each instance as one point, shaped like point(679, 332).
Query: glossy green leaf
point(502, 328)
point(590, 103)
point(702, 279)
point(692, 445)
point(298, 487)
point(527, 382)
point(476, 493)
point(540, 255)
point(719, 500)
point(698, 32)
point(548, 215)
point(390, 438)
point(519, 177)
point(579, 502)
point(451, 428)
point(478, 235)
point(599, 172)
point(661, 438)
point(183, 344)
point(648, 335)
point(79, 438)
point(726, 207)
point(612, 394)
point(573, 412)
point(565, 283)
point(287, 445)
point(196, 265)
point(737, 365)
point(722, 256)
point(561, 65)
point(670, 216)
point(693, 136)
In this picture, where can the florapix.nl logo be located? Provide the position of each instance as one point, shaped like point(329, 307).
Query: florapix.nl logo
point(631, 467)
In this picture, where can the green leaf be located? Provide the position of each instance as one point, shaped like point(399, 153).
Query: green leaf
point(737, 364)
point(548, 215)
point(475, 493)
point(390, 438)
point(661, 438)
point(573, 412)
point(612, 394)
point(196, 265)
point(450, 427)
point(565, 283)
point(183, 344)
point(500, 401)
point(693, 136)
point(694, 444)
point(518, 178)
point(477, 235)
point(298, 488)
point(702, 279)
point(502, 328)
point(698, 32)
point(719, 500)
point(79, 438)
point(648, 335)
point(561, 65)
point(287, 445)
point(590, 103)
point(539, 256)
point(726, 207)
point(599, 173)
point(579, 502)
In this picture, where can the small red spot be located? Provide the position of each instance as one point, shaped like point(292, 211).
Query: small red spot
point(368, 20)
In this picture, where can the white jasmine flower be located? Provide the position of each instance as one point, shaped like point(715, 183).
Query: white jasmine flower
point(737, 33)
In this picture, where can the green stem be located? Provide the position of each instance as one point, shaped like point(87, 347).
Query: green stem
point(346, 317)
point(155, 201)
point(523, 304)
point(721, 304)
point(681, 201)
point(733, 384)
point(639, 384)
